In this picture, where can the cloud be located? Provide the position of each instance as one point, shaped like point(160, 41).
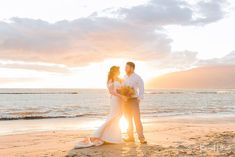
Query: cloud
point(178, 60)
point(135, 33)
point(226, 60)
point(79, 41)
point(210, 11)
point(45, 67)
point(19, 80)
point(179, 12)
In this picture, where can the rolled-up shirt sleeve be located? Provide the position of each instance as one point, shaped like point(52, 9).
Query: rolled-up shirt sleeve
point(141, 88)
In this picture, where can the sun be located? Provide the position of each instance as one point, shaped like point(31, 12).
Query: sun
point(123, 124)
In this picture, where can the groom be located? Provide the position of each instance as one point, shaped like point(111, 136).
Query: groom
point(131, 106)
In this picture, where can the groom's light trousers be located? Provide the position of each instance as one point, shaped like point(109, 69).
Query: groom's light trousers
point(132, 111)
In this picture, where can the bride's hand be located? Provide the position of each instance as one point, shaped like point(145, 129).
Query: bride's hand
point(124, 98)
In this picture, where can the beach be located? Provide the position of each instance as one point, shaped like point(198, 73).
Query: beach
point(48, 123)
point(83, 73)
point(167, 136)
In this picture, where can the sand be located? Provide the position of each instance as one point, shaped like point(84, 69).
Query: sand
point(170, 136)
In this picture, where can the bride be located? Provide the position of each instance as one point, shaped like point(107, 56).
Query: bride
point(110, 131)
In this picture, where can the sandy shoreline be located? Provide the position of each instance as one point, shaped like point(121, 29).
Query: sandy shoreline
point(186, 136)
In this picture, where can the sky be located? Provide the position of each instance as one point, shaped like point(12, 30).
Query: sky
point(73, 43)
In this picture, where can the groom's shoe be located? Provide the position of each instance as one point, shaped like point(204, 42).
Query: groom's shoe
point(143, 141)
point(129, 140)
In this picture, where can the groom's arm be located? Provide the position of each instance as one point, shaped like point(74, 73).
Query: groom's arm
point(141, 88)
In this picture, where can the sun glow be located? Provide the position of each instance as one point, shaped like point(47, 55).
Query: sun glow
point(58, 76)
point(123, 124)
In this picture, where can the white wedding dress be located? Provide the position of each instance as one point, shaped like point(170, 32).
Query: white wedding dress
point(110, 131)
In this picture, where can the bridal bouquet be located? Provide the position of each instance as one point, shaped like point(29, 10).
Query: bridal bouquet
point(126, 91)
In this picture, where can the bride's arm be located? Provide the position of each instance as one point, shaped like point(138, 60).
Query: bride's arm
point(113, 91)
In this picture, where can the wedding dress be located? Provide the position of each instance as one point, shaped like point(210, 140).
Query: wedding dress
point(110, 131)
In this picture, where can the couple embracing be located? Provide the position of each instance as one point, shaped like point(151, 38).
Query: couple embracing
point(123, 101)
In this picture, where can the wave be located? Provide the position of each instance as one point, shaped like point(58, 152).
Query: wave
point(164, 92)
point(192, 92)
point(205, 92)
point(215, 92)
point(33, 117)
point(224, 92)
point(39, 93)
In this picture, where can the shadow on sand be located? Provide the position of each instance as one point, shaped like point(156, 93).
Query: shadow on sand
point(116, 150)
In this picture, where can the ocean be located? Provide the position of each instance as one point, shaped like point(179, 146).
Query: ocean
point(19, 104)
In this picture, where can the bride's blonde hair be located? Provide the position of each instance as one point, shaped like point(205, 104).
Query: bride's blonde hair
point(112, 72)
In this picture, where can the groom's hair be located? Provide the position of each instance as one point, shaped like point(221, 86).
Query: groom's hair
point(131, 64)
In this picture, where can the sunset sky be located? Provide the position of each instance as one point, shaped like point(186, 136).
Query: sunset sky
point(73, 43)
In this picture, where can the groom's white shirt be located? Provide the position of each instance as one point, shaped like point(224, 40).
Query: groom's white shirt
point(137, 83)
